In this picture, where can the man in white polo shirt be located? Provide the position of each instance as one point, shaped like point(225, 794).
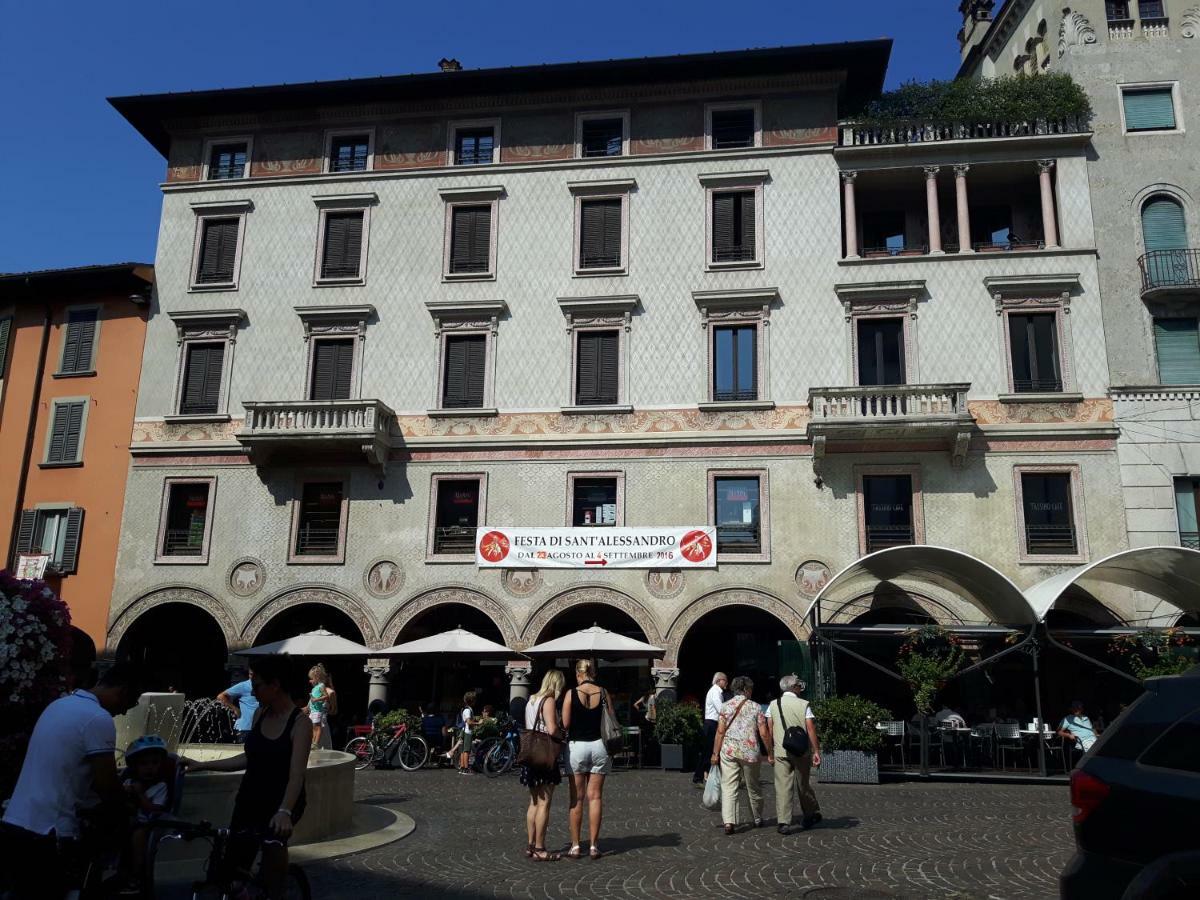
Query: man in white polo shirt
point(712, 713)
point(70, 764)
point(792, 711)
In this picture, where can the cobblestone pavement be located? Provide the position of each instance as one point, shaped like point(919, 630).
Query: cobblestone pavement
point(894, 840)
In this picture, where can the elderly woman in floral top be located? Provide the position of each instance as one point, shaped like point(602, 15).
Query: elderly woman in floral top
point(741, 725)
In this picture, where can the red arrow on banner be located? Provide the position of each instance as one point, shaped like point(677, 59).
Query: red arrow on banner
point(595, 562)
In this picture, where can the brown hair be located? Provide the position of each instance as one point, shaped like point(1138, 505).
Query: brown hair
point(584, 668)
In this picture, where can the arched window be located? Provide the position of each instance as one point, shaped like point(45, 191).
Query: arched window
point(1163, 225)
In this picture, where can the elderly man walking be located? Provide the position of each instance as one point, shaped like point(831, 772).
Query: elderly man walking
point(712, 714)
point(792, 711)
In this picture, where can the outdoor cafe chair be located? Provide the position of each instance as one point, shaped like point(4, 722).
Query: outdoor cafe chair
point(1008, 740)
point(893, 732)
point(935, 741)
point(983, 737)
point(628, 756)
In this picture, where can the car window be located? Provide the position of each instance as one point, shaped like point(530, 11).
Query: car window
point(1176, 749)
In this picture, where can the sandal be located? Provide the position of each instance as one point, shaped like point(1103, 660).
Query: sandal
point(729, 829)
point(529, 850)
point(594, 852)
point(574, 852)
point(541, 854)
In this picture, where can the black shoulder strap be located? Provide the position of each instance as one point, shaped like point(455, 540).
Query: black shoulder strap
point(782, 720)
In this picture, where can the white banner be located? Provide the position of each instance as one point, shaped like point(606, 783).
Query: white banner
point(666, 547)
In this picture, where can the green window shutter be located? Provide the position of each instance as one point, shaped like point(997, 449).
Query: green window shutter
point(1178, 348)
point(5, 334)
point(25, 531)
point(1163, 225)
point(66, 432)
point(70, 554)
point(1152, 110)
point(78, 341)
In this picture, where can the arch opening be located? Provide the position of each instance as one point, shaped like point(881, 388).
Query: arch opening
point(180, 646)
point(739, 639)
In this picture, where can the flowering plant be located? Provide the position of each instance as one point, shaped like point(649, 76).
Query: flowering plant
point(1150, 653)
point(928, 658)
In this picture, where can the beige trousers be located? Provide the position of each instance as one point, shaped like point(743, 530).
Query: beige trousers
point(787, 767)
point(734, 775)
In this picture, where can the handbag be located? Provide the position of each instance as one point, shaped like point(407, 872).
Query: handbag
point(795, 739)
point(539, 749)
point(610, 728)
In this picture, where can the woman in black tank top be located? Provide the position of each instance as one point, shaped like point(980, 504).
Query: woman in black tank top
point(587, 755)
point(270, 799)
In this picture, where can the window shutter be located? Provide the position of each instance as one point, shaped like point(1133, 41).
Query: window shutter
point(5, 333)
point(1149, 110)
point(202, 379)
point(78, 339)
point(722, 226)
point(587, 368)
point(218, 251)
point(65, 431)
point(476, 354)
point(608, 369)
point(1163, 225)
point(470, 236)
point(70, 554)
point(343, 245)
point(25, 531)
point(747, 240)
point(1178, 348)
point(464, 375)
point(333, 366)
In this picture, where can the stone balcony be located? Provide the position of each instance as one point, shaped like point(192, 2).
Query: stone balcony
point(326, 428)
point(856, 134)
point(896, 412)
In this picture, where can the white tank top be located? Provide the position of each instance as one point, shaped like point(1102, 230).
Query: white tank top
point(531, 715)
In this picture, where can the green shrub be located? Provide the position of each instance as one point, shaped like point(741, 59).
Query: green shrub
point(929, 657)
point(848, 723)
point(1151, 653)
point(679, 723)
point(1012, 99)
point(398, 717)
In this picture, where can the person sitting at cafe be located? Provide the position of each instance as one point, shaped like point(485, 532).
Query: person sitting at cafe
point(948, 718)
point(1077, 727)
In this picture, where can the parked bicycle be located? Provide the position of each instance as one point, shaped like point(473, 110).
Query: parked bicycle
point(395, 743)
point(501, 756)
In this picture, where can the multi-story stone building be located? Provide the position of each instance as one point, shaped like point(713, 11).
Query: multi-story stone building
point(653, 292)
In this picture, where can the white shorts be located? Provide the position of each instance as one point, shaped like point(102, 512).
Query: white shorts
point(318, 718)
point(589, 758)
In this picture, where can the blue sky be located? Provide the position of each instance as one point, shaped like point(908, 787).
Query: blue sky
point(84, 189)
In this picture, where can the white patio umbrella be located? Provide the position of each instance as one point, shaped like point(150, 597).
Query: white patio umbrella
point(455, 642)
point(596, 642)
point(311, 643)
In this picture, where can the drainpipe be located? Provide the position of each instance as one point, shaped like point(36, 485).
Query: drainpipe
point(34, 401)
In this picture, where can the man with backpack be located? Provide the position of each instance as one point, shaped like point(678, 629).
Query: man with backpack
point(794, 741)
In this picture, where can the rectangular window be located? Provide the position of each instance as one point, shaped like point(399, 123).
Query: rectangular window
point(457, 516)
point(65, 443)
point(217, 258)
point(880, 351)
point(185, 525)
point(470, 239)
point(341, 251)
point(735, 363)
point(887, 511)
point(597, 368)
point(332, 369)
point(318, 529)
point(349, 152)
point(465, 371)
point(1151, 9)
point(1187, 493)
point(228, 160)
point(593, 502)
point(1033, 341)
point(732, 128)
point(1177, 346)
point(1149, 109)
point(1116, 10)
point(79, 342)
point(1049, 518)
point(738, 515)
point(600, 233)
point(602, 137)
point(474, 146)
point(203, 366)
point(733, 227)
point(54, 532)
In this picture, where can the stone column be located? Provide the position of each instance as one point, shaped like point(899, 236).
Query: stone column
point(666, 682)
point(1049, 223)
point(963, 209)
point(932, 210)
point(518, 679)
point(377, 688)
point(851, 214)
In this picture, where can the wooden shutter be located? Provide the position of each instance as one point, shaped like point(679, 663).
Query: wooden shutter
point(1177, 346)
point(722, 226)
point(218, 251)
point(25, 531)
point(202, 379)
point(5, 334)
point(608, 380)
point(747, 237)
point(465, 371)
point(78, 339)
point(66, 429)
point(332, 369)
point(600, 234)
point(470, 237)
point(70, 554)
point(1149, 110)
point(342, 253)
point(597, 368)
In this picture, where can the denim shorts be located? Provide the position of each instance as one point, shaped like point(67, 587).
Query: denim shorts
point(589, 758)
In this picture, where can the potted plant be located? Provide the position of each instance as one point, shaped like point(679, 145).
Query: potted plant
point(929, 657)
point(677, 728)
point(850, 741)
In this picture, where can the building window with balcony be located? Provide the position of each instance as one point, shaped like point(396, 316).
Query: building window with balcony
point(732, 126)
point(349, 151)
point(595, 499)
point(319, 523)
point(735, 363)
point(738, 507)
point(464, 375)
point(458, 503)
point(1187, 507)
point(1116, 10)
point(55, 531)
point(1035, 359)
point(887, 502)
point(227, 158)
point(185, 522)
point(1149, 108)
point(600, 134)
point(217, 248)
point(475, 143)
point(884, 234)
point(1177, 349)
point(1150, 10)
point(880, 350)
point(81, 336)
point(1167, 262)
point(331, 369)
point(1049, 506)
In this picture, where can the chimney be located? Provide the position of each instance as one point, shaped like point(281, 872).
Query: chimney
point(449, 65)
point(977, 16)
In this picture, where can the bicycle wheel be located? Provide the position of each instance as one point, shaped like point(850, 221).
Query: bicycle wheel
point(296, 887)
point(362, 750)
point(413, 753)
point(499, 759)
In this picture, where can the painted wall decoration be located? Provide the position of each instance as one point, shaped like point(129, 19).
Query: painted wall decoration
point(247, 577)
point(383, 578)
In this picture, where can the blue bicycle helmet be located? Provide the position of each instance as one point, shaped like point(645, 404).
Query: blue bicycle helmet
point(144, 743)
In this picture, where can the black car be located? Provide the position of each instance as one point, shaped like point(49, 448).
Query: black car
point(1136, 799)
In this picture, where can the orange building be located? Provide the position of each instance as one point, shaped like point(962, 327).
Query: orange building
point(70, 360)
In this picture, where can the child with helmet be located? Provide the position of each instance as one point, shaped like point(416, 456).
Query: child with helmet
point(146, 784)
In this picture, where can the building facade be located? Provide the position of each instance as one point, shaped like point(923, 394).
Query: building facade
point(654, 292)
point(70, 360)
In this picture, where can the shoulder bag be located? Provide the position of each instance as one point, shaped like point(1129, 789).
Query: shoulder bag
point(610, 728)
point(539, 749)
point(795, 739)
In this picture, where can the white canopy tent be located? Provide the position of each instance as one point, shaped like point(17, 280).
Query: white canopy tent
point(455, 642)
point(311, 643)
point(596, 642)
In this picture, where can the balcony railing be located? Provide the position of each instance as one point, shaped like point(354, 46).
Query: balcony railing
point(317, 539)
point(906, 250)
point(1005, 246)
point(1120, 29)
point(1166, 269)
point(738, 539)
point(870, 135)
point(1190, 539)
point(892, 401)
point(359, 425)
point(880, 537)
point(1050, 539)
point(183, 542)
point(1157, 27)
point(454, 539)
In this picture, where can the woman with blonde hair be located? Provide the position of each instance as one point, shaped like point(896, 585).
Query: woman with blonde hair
point(320, 701)
point(583, 710)
point(541, 715)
